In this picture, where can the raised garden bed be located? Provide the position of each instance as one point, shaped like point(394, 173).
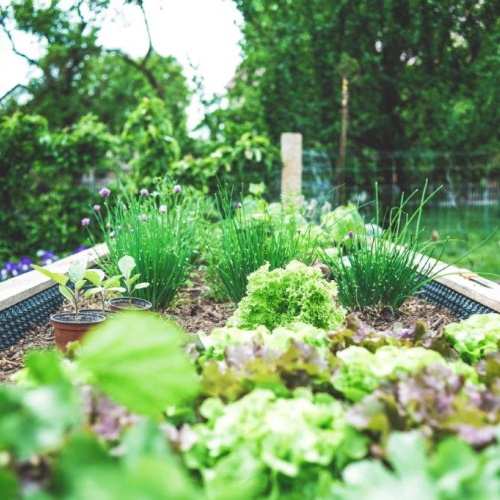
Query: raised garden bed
point(304, 381)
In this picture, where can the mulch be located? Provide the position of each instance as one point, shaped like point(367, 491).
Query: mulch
point(195, 311)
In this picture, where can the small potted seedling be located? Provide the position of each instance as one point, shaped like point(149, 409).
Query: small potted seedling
point(126, 266)
point(71, 327)
point(103, 287)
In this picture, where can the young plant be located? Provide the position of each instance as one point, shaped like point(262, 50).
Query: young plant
point(102, 286)
point(76, 275)
point(126, 265)
point(378, 272)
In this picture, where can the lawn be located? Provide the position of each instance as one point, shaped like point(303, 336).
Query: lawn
point(466, 228)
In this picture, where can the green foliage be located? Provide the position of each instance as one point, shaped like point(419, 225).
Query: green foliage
point(76, 75)
point(453, 470)
point(41, 196)
point(475, 336)
point(425, 81)
point(280, 297)
point(247, 241)
point(361, 371)
point(123, 363)
point(258, 428)
point(76, 275)
point(163, 244)
point(384, 270)
point(148, 136)
point(341, 221)
point(249, 158)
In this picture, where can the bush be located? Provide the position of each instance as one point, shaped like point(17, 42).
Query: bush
point(280, 297)
point(41, 196)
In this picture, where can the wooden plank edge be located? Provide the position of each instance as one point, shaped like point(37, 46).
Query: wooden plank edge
point(25, 286)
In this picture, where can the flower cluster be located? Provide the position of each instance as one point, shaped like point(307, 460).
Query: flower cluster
point(11, 268)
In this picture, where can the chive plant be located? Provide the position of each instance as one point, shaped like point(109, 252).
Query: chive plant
point(383, 271)
point(246, 242)
point(161, 234)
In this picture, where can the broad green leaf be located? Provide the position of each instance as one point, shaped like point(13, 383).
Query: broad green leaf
point(80, 284)
point(9, 485)
point(95, 276)
point(67, 293)
point(112, 282)
point(141, 285)
point(59, 278)
point(93, 291)
point(77, 271)
point(138, 361)
point(133, 279)
point(126, 265)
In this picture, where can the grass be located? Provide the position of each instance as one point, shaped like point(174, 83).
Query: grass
point(466, 228)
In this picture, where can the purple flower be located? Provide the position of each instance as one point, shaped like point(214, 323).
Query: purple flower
point(97, 208)
point(163, 209)
point(104, 192)
point(177, 189)
point(85, 221)
point(350, 235)
point(81, 248)
point(26, 260)
point(239, 205)
point(11, 267)
point(144, 192)
point(3, 275)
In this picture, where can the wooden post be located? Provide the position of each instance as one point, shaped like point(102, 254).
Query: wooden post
point(343, 142)
point(291, 157)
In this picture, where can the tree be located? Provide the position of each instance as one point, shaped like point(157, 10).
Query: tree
point(78, 76)
point(429, 71)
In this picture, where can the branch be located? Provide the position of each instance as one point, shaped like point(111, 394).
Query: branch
point(12, 90)
point(142, 68)
point(151, 49)
point(13, 45)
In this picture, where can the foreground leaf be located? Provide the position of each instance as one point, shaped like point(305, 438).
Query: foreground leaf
point(137, 360)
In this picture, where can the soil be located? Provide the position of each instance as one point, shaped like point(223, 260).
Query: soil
point(196, 312)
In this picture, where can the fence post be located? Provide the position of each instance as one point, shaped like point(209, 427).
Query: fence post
point(291, 157)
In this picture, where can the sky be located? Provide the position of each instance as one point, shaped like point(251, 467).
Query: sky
point(204, 33)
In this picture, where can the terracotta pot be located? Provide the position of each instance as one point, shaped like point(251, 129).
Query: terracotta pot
point(107, 312)
point(68, 329)
point(125, 304)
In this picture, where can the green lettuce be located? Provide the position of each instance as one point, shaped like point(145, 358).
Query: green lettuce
point(342, 221)
point(285, 436)
point(362, 371)
point(475, 336)
point(297, 293)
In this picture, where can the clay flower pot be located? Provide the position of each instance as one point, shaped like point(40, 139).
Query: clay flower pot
point(69, 329)
point(107, 312)
point(126, 304)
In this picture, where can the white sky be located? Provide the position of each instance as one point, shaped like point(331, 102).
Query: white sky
point(205, 32)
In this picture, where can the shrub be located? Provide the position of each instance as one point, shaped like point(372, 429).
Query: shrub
point(161, 233)
point(280, 297)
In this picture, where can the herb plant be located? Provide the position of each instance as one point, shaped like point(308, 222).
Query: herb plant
point(126, 265)
point(378, 272)
point(161, 233)
point(248, 241)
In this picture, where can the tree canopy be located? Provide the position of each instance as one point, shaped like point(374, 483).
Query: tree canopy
point(428, 71)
